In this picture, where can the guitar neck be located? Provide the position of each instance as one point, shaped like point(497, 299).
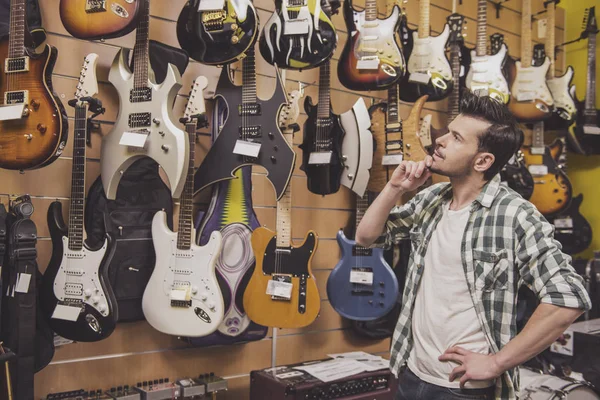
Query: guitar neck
point(284, 210)
point(370, 10)
point(590, 92)
point(392, 106)
point(454, 97)
point(16, 38)
point(362, 203)
point(184, 230)
point(550, 38)
point(324, 91)
point(249, 77)
point(537, 139)
point(481, 48)
point(423, 31)
point(140, 51)
point(77, 208)
point(526, 34)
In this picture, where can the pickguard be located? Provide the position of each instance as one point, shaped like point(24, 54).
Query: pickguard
point(292, 261)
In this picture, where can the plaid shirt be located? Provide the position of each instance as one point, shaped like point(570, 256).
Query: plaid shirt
point(506, 243)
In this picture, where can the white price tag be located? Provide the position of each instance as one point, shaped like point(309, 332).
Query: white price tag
point(11, 112)
point(292, 374)
point(542, 25)
point(538, 150)
point(591, 130)
point(280, 289)
point(23, 283)
point(67, 313)
point(538, 169)
point(211, 5)
point(525, 96)
point(368, 63)
point(245, 148)
point(364, 277)
point(320, 157)
point(391, 159)
point(134, 139)
point(563, 222)
point(179, 294)
point(296, 27)
point(564, 344)
point(419, 77)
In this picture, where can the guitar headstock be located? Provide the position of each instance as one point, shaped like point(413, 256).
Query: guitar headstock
point(87, 85)
point(456, 22)
point(425, 131)
point(590, 25)
point(289, 112)
point(196, 108)
point(539, 54)
point(496, 42)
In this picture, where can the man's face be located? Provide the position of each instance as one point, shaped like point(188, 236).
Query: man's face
point(456, 153)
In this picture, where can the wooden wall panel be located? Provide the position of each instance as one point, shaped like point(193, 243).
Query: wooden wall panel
point(135, 351)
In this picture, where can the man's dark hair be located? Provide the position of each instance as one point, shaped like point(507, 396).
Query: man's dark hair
point(503, 138)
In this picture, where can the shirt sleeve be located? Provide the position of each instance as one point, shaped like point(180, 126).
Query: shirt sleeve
point(397, 226)
point(544, 268)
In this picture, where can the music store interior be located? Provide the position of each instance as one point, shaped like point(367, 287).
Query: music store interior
point(181, 183)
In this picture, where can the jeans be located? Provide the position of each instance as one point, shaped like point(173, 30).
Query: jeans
point(411, 387)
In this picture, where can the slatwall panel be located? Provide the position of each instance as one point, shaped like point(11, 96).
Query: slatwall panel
point(137, 352)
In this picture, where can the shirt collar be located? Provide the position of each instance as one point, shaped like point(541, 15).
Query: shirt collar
point(486, 196)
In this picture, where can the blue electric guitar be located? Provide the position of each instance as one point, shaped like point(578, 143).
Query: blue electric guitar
point(362, 286)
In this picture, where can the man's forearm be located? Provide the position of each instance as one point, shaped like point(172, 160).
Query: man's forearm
point(546, 324)
point(373, 221)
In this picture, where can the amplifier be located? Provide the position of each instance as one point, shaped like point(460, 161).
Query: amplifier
point(286, 383)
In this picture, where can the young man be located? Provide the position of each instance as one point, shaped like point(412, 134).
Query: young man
point(474, 243)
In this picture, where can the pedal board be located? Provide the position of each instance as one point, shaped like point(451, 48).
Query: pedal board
point(123, 393)
point(80, 394)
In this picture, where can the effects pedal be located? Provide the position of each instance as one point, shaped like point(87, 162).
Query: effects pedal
point(123, 393)
point(191, 388)
point(158, 389)
point(213, 383)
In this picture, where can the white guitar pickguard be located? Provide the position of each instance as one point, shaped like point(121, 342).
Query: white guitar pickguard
point(357, 147)
point(486, 74)
point(530, 83)
point(165, 143)
point(183, 274)
point(559, 87)
point(428, 55)
point(77, 278)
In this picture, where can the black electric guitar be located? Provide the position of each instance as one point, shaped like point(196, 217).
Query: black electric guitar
point(250, 134)
point(584, 136)
point(76, 296)
point(217, 32)
point(460, 59)
point(322, 145)
point(517, 176)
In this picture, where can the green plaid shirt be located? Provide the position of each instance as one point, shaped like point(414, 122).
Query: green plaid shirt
point(507, 243)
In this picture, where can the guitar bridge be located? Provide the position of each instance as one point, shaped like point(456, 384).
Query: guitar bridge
point(94, 6)
point(16, 97)
point(213, 20)
point(180, 296)
point(250, 132)
point(14, 65)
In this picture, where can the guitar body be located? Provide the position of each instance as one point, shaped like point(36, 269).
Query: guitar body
point(90, 19)
point(39, 138)
point(551, 192)
point(302, 42)
point(356, 301)
point(370, 39)
point(322, 178)
point(427, 58)
point(217, 37)
point(530, 97)
point(77, 279)
point(579, 141)
point(518, 178)
point(486, 74)
point(573, 231)
point(563, 93)
point(275, 155)
point(166, 143)
point(183, 296)
point(295, 264)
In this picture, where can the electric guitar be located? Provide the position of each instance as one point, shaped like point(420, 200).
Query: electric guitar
point(459, 57)
point(517, 176)
point(563, 93)
point(33, 121)
point(485, 75)
point(183, 296)
point(584, 136)
point(76, 296)
point(429, 71)
point(144, 126)
point(250, 134)
point(530, 97)
point(362, 286)
point(282, 291)
point(99, 19)
point(322, 145)
point(552, 189)
point(217, 32)
point(372, 58)
point(298, 35)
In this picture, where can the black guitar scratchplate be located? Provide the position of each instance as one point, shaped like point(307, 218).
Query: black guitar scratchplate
point(292, 260)
point(275, 154)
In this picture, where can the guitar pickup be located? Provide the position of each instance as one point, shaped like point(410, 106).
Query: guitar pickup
point(139, 120)
point(250, 132)
point(14, 65)
point(16, 97)
point(393, 145)
point(73, 289)
point(362, 292)
point(249, 110)
point(138, 95)
point(94, 6)
point(371, 62)
point(361, 251)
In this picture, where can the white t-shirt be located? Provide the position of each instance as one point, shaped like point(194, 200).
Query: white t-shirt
point(443, 314)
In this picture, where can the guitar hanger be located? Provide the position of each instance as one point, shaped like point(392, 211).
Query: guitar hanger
point(498, 5)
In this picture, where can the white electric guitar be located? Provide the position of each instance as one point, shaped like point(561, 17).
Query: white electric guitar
point(145, 124)
point(183, 297)
point(485, 74)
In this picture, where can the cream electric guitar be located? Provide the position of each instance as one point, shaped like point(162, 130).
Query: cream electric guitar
point(485, 74)
point(145, 123)
point(183, 297)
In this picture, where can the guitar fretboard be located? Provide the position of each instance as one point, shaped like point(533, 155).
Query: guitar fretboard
point(249, 77)
point(284, 211)
point(184, 230)
point(324, 91)
point(537, 138)
point(140, 51)
point(77, 208)
point(454, 97)
point(481, 47)
point(362, 203)
point(526, 34)
point(16, 39)
point(423, 31)
point(549, 45)
point(370, 10)
point(590, 92)
point(392, 107)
